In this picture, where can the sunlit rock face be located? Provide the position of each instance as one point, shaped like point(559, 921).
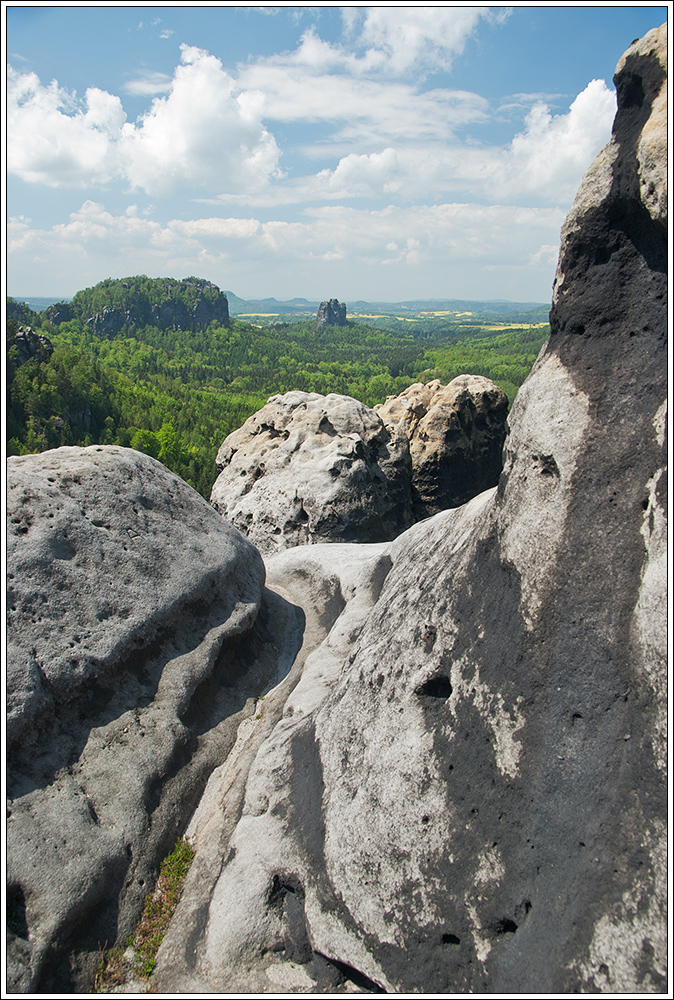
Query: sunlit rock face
point(467, 791)
point(128, 600)
point(455, 434)
point(308, 468)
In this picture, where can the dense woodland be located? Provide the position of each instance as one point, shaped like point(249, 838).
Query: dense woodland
point(176, 394)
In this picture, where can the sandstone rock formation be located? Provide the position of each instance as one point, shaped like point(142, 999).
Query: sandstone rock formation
point(460, 785)
point(309, 468)
point(127, 602)
point(30, 345)
point(192, 302)
point(331, 313)
point(455, 433)
point(467, 791)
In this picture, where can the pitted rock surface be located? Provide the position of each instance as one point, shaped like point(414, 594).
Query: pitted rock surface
point(138, 632)
point(466, 790)
point(456, 434)
point(475, 798)
point(308, 468)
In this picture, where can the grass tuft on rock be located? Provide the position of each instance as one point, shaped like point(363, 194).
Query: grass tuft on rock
point(159, 908)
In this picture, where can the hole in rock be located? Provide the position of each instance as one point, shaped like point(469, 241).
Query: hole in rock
point(436, 687)
point(16, 912)
point(450, 939)
point(282, 885)
point(505, 926)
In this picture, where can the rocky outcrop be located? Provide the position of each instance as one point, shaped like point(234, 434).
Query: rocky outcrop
point(309, 468)
point(29, 345)
point(139, 635)
point(460, 784)
point(331, 313)
point(455, 433)
point(138, 302)
point(59, 312)
point(467, 792)
point(173, 314)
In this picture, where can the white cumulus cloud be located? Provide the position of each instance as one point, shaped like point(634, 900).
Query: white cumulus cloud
point(57, 141)
point(550, 156)
point(204, 133)
point(453, 249)
point(399, 39)
point(361, 175)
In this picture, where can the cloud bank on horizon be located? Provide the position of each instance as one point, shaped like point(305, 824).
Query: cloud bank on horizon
point(348, 165)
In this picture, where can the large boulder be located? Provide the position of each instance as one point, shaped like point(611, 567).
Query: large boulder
point(456, 434)
point(138, 633)
point(308, 468)
point(469, 792)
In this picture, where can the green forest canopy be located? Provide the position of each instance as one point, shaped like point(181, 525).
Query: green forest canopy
point(176, 394)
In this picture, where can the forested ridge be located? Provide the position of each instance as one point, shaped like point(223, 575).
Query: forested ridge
point(176, 394)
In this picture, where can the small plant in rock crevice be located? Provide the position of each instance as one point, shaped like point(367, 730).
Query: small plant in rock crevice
point(157, 912)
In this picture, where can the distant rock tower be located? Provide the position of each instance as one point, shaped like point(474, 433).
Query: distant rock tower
point(332, 313)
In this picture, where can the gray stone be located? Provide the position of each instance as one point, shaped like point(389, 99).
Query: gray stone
point(30, 345)
point(468, 792)
point(139, 635)
point(455, 434)
point(308, 468)
point(331, 313)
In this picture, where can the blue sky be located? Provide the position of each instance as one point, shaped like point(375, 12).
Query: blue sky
point(358, 152)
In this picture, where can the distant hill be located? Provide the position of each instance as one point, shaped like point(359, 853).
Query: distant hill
point(118, 304)
point(491, 309)
point(38, 303)
point(496, 309)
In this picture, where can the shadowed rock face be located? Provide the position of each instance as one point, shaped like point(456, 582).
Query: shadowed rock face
point(30, 345)
point(455, 434)
point(130, 602)
point(467, 791)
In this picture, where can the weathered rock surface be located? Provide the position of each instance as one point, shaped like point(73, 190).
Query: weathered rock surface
point(139, 634)
point(468, 791)
point(309, 468)
point(455, 434)
point(331, 313)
